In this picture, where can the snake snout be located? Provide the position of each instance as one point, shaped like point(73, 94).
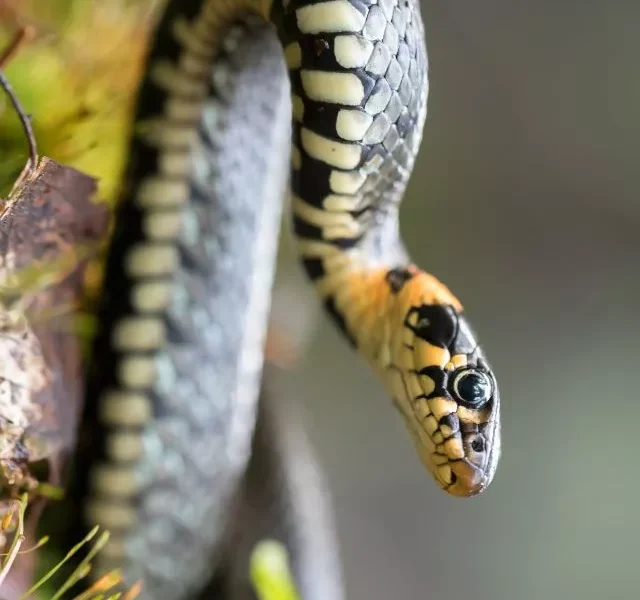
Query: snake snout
point(472, 474)
point(467, 479)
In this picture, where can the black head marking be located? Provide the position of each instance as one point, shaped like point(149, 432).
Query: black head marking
point(436, 324)
point(396, 278)
point(440, 379)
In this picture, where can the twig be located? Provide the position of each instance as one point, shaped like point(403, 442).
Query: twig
point(24, 119)
point(15, 549)
point(26, 33)
point(18, 539)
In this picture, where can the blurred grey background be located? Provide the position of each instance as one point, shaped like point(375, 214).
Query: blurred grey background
point(525, 202)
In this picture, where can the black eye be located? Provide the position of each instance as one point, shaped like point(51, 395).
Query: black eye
point(473, 387)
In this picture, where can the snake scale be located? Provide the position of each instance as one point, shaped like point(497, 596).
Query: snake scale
point(166, 453)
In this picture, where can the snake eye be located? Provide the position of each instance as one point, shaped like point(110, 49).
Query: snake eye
point(473, 387)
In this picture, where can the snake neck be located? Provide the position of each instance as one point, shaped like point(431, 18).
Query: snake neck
point(359, 90)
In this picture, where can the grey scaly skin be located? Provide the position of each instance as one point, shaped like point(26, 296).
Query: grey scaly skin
point(171, 400)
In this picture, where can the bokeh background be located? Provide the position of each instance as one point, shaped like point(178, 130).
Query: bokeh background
point(525, 202)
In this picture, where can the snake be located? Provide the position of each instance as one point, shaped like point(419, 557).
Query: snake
point(244, 104)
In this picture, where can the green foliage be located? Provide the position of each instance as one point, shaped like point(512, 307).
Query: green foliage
point(270, 573)
point(110, 582)
point(77, 79)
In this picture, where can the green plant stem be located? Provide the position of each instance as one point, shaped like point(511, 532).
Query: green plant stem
point(53, 571)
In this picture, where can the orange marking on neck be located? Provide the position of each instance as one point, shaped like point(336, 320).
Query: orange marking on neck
point(375, 314)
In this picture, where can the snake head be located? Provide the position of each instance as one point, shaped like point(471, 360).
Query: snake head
point(445, 388)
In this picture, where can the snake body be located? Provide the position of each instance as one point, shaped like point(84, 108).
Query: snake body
point(176, 366)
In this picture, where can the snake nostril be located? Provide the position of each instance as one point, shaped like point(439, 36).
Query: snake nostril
point(478, 445)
